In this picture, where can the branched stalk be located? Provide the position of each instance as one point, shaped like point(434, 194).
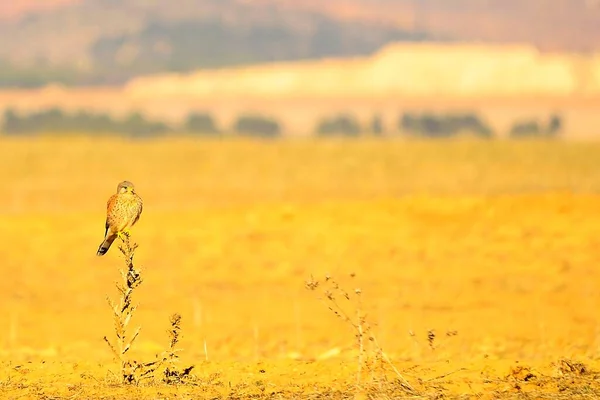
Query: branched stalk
point(371, 359)
point(123, 312)
point(133, 371)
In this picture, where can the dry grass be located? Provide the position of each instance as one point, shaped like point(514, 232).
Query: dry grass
point(494, 241)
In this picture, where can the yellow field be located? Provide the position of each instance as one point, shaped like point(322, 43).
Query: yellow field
point(490, 248)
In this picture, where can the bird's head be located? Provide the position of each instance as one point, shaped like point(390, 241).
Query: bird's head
point(125, 187)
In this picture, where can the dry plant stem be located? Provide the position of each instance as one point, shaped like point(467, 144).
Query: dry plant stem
point(384, 357)
point(361, 326)
point(133, 371)
point(171, 354)
point(361, 344)
point(171, 374)
point(123, 312)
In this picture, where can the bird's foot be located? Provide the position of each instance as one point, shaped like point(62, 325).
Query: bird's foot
point(124, 235)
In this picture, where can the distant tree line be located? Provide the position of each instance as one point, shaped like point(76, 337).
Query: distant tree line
point(535, 128)
point(426, 125)
point(432, 125)
point(443, 125)
point(135, 124)
point(56, 121)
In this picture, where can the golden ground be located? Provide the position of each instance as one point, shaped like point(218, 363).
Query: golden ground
point(491, 247)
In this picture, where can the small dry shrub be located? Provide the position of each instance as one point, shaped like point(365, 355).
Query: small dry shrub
point(133, 371)
point(372, 363)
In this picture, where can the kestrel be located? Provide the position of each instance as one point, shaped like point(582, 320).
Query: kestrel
point(122, 211)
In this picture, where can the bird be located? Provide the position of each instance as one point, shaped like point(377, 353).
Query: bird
point(123, 210)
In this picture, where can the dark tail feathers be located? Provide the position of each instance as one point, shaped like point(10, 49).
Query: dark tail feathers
point(108, 240)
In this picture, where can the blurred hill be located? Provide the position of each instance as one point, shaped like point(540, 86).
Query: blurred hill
point(399, 70)
point(110, 41)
